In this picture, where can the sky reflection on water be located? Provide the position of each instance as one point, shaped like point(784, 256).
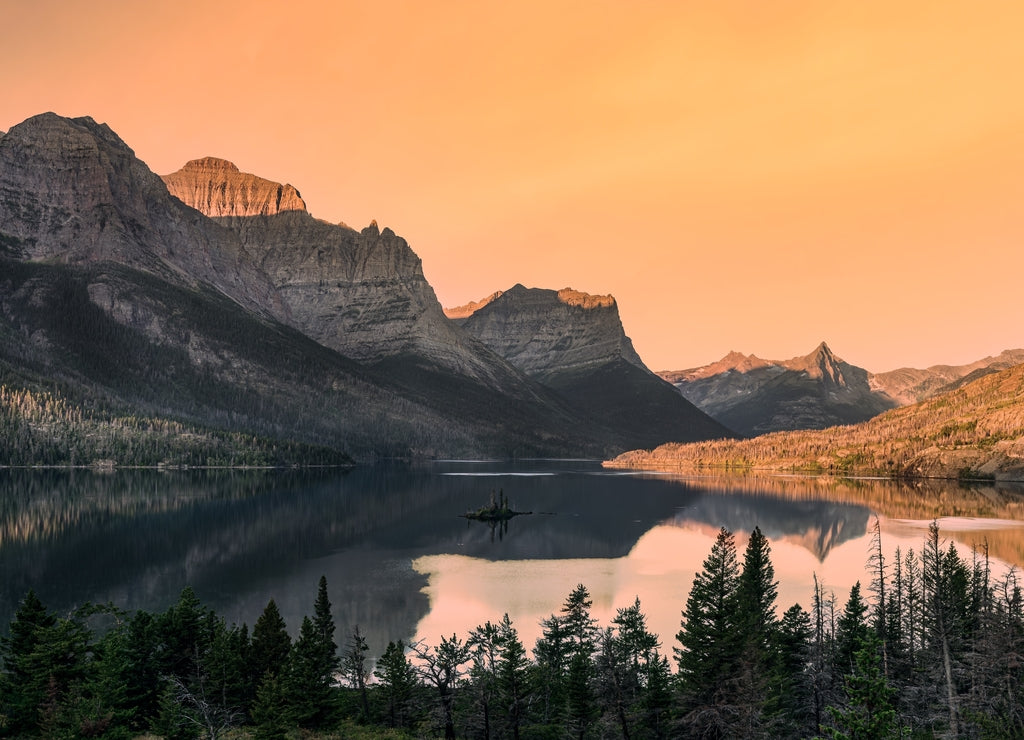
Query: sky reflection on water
point(401, 563)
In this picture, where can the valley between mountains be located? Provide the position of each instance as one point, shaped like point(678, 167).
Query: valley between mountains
point(207, 318)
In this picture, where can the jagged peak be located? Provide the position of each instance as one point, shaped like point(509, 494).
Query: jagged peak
point(820, 354)
point(733, 361)
point(820, 363)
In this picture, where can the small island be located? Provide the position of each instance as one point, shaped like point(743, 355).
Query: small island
point(497, 511)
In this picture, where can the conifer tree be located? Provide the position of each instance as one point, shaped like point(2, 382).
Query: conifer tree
point(397, 680)
point(551, 654)
point(581, 631)
point(867, 713)
point(269, 710)
point(270, 644)
point(795, 682)
point(756, 693)
point(323, 623)
point(308, 687)
point(21, 689)
point(141, 662)
point(851, 630)
point(706, 656)
point(513, 677)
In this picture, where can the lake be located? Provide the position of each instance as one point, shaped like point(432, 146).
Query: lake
point(402, 564)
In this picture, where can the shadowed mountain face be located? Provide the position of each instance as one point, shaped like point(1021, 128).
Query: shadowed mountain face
point(754, 396)
point(246, 314)
point(574, 343)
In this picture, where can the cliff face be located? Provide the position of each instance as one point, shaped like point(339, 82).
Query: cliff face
point(216, 187)
point(544, 332)
point(755, 396)
point(72, 192)
point(574, 343)
point(361, 293)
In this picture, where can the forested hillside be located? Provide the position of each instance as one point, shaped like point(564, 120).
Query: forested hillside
point(975, 431)
point(929, 646)
point(39, 428)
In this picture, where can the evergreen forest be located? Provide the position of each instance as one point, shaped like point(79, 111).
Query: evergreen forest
point(931, 645)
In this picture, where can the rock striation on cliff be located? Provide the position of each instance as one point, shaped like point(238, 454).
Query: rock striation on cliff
point(217, 187)
point(71, 191)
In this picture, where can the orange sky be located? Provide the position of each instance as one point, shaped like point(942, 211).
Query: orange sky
point(740, 174)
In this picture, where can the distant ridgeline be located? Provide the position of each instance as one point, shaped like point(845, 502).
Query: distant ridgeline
point(975, 431)
point(753, 396)
point(925, 655)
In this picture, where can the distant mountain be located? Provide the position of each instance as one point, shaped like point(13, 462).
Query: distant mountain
point(229, 307)
point(909, 385)
point(974, 431)
point(754, 396)
point(574, 343)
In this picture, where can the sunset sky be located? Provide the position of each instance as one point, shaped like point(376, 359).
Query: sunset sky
point(740, 174)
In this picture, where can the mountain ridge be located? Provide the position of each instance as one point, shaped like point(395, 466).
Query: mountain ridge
point(117, 294)
point(755, 396)
point(974, 431)
point(217, 188)
point(574, 343)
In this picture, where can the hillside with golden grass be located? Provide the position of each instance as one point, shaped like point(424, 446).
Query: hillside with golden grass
point(975, 431)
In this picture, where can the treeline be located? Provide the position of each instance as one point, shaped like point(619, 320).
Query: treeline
point(40, 428)
point(973, 432)
point(934, 646)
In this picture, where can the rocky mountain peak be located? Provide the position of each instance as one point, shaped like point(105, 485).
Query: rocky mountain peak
point(820, 364)
point(217, 188)
point(732, 362)
point(540, 330)
point(72, 192)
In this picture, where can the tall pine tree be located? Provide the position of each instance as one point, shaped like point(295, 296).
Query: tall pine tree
point(708, 631)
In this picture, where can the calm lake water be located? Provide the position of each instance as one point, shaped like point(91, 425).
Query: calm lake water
point(402, 564)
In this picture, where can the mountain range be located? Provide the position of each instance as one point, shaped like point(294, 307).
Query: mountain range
point(973, 431)
point(754, 396)
point(212, 297)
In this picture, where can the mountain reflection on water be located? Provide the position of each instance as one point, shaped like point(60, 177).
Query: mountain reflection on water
point(401, 563)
